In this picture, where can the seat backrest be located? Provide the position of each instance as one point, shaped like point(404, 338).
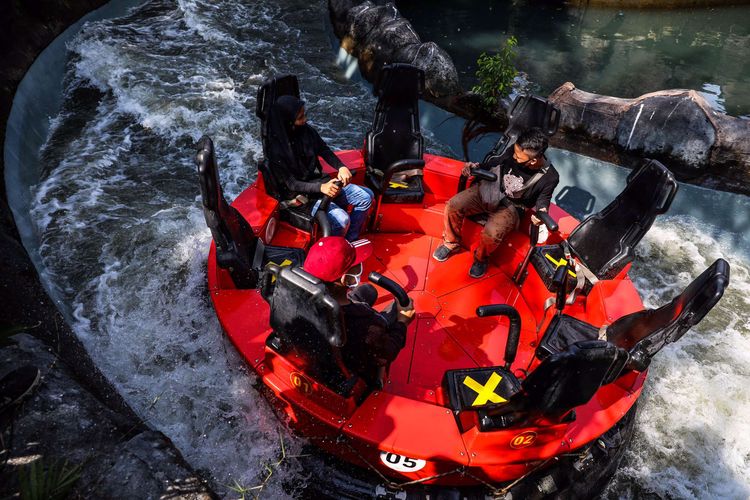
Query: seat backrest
point(645, 333)
point(309, 320)
point(233, 236)
point(571, 378)
point(395, 133)
point(562, 381)
point(605, 242)
point(267, 95)
point(527, 111)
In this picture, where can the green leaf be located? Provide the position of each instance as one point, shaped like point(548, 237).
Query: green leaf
point(496, 73)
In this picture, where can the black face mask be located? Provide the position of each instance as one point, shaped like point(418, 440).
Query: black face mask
point(525, 165)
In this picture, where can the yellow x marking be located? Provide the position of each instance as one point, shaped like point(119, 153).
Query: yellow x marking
point(559, 263)
point(397, 185)
point(485, 392)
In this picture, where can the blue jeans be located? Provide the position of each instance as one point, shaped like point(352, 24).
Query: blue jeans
point(342, 223)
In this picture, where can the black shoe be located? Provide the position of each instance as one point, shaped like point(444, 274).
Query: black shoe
point(442, 253)
point(17, 385)
point(478, 268)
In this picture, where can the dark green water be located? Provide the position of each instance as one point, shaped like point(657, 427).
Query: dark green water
point(623, 53)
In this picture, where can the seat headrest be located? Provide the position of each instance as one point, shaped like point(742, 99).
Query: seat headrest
point(605, 241)
point(272, 90)
point(527, 111)
point(208, 174)
point(301, 298)
point(399, 83)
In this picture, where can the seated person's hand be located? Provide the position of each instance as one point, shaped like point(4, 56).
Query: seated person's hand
point(466, 170)
point(405, 314)
point(536, 220)
point(345, 175)
point(330, 188)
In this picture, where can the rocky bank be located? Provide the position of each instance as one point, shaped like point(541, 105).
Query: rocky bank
point(678, 127)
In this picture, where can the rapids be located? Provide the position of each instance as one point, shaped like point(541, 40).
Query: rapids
point(116, 223)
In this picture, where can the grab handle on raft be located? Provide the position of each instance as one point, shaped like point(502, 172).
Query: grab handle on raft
point(514, 330)
point(479, 173)
point(547, 220)
point(560, 281)
point(396, 290)
point(485, 175)
point(321, 215)
point(519, 276)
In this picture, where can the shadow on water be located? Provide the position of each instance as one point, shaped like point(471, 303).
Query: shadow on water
point(576, 201)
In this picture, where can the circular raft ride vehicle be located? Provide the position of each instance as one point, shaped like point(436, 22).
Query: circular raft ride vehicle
point(521, 384)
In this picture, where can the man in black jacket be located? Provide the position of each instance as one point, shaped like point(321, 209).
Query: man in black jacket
point(525, 179)
point(374, 338)
point(293, 151)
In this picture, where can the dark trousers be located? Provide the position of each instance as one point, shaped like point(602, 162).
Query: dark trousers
point(500, 222)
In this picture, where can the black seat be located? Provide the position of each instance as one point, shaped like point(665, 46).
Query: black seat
point(560, 383)
point(308, 327)
point(395, 135)
point(298, 216)
point(605, 242)
point(646, 332)
point(237, 248)
point(527, 111)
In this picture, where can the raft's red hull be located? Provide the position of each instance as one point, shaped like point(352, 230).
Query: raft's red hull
point(409, 421)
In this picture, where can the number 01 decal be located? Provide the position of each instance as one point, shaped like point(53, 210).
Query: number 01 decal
point(301, 383)
point(401, 463)
point(523, 440)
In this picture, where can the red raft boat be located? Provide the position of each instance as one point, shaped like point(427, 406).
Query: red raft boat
point(522, 383)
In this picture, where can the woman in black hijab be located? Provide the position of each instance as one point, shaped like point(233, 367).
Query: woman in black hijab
point(293, 151)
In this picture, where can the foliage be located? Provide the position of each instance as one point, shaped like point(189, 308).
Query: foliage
point(269, 469)
point(53, 481)
point(496, 73)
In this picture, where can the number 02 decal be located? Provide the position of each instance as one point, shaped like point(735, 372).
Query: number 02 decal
point(401, 463)
point(523, 440)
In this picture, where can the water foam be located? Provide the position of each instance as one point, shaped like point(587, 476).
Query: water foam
point(691, 434)
point(124, 244)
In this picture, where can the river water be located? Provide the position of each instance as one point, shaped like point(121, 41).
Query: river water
point(606, 50)
point(116, 221)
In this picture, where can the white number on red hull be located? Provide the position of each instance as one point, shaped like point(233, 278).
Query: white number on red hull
point(401, 463)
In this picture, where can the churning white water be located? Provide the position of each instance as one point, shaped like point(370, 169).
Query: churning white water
point(123, 245)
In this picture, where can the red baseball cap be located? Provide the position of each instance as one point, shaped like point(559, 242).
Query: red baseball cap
point(330, 257)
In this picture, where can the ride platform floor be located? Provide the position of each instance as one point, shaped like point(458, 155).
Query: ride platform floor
point(446, 333)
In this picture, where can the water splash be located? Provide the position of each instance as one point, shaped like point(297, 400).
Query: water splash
point(123, 241)
point(691, 439)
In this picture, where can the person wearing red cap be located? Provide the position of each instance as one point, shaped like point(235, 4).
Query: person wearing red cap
point(374, 338)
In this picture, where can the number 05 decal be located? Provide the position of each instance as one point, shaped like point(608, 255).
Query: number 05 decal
point(401, 463)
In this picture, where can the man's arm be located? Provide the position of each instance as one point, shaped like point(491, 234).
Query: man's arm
point(322, 150)
point(386, 342)
point(546, 187)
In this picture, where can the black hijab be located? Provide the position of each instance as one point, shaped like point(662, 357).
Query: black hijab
point(281, 119)
point(293, 150)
